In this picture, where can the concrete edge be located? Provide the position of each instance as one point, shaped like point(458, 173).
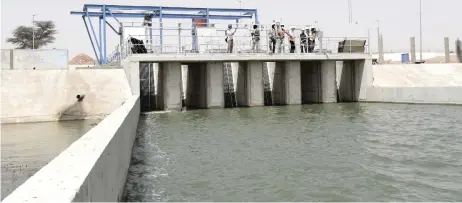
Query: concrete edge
point(246, 57)
point(63, 178)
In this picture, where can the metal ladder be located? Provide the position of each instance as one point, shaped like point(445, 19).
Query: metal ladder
point(229, 84)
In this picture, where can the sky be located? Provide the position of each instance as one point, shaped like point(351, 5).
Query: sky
point(398, 19)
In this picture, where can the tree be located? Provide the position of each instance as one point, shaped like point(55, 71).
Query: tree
point(44, 34)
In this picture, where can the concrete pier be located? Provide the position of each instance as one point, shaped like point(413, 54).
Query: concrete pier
point(169, 93)
point(286, 83)
point(258, 79)
point(249, 90)
point(215, 93)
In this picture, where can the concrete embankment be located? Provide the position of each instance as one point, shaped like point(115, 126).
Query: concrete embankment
point(416, 83)
point(93, 168)
point(51, 95)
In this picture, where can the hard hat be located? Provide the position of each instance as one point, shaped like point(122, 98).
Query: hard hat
point(230, 26)
point(307, 28)
point(292, 27)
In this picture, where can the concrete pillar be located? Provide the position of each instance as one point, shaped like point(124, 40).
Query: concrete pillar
point(364, 78)
point(249, 90)
point(413, 56)
point(447, 58)
point(133, 76)
point(381, 58)
point(345, 81)
point(353, 79)
point(328, 77)
point(293, 87)
point(279, 79)
point(215, 94)
point(286, 83)
point(170, 81)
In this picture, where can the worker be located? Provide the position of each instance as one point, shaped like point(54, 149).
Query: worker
point(303, 41)
point(272, 38)
point(312, 40)
point(291, 35)
point(281, 37)
point(229, 37)
point(255, 38)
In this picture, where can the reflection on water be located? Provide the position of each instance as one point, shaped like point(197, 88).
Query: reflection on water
point(331, 152)
point(27, 147)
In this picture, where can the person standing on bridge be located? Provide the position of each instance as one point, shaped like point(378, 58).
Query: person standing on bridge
point(272, 37)
point(303, 41)
point(255, 38)
point(291, 34)
point(281, 37)
point(229, 37)
point(312, 40)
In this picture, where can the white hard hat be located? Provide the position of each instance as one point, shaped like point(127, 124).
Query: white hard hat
point(292, 27)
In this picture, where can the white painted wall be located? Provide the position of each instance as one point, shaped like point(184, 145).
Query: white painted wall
point(416, 83)
point(50, 95)
point(418, 75)
point(41, 59)
point(93, 168)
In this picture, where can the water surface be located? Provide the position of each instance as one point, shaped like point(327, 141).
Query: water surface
point(27, 147)
point(328, 152)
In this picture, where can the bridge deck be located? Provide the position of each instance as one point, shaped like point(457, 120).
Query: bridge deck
point(247, 57)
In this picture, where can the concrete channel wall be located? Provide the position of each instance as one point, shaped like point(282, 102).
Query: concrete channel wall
point(50, 95)
point(416, 83)
point(93, 168)
point(40, 59)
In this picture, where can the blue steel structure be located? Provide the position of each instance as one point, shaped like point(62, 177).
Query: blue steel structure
point(103, 12)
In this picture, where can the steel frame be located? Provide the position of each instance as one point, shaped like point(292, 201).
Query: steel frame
point(103, 12)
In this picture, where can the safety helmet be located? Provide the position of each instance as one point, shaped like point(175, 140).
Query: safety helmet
point(230, 25)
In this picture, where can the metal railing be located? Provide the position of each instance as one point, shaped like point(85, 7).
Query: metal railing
point(189, 40)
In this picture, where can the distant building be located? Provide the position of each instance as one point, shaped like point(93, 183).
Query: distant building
point(81, 61)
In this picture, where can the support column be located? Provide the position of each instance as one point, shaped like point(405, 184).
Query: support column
point(328, 77)
point(381, 57)
point(170, 85)
point(279, 77)
point(215, 94)
point(363, 78)
point(354, 78)
point(345, 80)
point(133, 76)
point(250, 84)
point(286, 83)
point(447, 58)
point(413, 57)
point(293, 87)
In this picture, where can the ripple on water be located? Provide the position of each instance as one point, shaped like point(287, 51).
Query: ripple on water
point(335, 152)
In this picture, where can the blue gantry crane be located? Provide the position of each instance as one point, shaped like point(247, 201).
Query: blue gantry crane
point(104, 12)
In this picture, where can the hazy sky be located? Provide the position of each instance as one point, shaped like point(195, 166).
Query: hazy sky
point(399, 19)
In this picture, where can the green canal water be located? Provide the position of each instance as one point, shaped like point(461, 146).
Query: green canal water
point(27, 147)
point(325, 152)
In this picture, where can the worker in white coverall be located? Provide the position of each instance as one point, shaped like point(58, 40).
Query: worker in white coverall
point(229, 37)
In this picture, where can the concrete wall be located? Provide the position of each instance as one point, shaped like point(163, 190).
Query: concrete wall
point(41, 59)
point(416, 83)
point(6, 55)
point(92, 169)
point(50, 95)
point(418, 75)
